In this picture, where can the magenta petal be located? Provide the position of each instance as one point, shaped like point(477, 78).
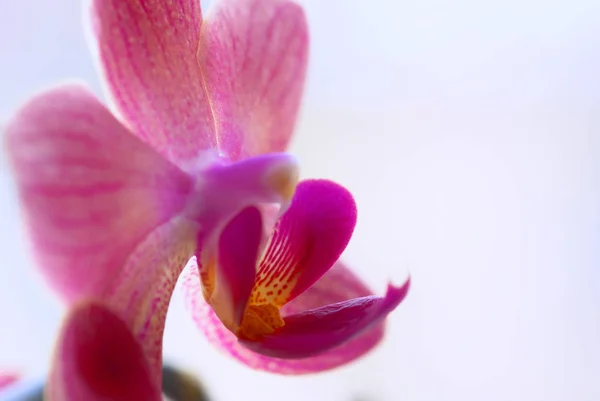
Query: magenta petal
point(236, 266)
point(254, 55)
point(318, 330)
point(147, 50)
point(338, 284)
point(89, 189)
point(98, 358)
point(307, 240)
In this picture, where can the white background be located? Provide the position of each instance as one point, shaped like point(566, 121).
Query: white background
point(469, 133)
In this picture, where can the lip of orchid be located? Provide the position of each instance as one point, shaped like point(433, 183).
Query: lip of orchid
point(302, 246)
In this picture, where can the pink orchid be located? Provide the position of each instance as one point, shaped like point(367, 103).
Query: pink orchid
point(116, 207)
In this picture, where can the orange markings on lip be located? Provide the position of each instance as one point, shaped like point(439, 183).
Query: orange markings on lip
point(258, 321)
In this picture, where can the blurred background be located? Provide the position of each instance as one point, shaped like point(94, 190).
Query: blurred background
point(469, 133)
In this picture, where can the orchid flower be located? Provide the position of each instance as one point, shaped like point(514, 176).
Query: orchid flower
point(189, 169)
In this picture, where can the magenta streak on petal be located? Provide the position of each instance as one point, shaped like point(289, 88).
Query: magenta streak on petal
point(318, 330)
point(98, 358)
point(236, 267)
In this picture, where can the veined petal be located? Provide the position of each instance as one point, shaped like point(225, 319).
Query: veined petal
point(338, 284)
point(102, 208)
point(90, 191)
point(142, 290)
point(98, 358)
point(254, 54)
point(306, 241)
point(147, 51)
point(315, 331)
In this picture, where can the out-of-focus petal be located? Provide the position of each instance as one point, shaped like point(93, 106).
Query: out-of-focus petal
point(6, 379)
point(235, 267)
point(98, 358)
point(147, 51)
point(338, 284)
point(91, 192)
point(254, 55)
point(318, 330)
point(306, 241)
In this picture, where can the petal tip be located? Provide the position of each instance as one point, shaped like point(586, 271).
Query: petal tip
point(396, 294)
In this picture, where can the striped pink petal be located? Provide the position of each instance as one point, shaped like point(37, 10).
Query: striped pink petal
point(147, 51)
point(89, 189)
point(101, 209)
point(254, 55)
point(98, 358)
point(337, 285)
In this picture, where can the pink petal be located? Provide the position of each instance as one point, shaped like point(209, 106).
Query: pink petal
point(317, 330)
point(338, 284)
point(100, 206)
point(90, 190)
point(98, 358)
point(236, 266)
point(6, 379)
point(306, 241)
point(254, 55)
point(142, 291)
point(147, 51)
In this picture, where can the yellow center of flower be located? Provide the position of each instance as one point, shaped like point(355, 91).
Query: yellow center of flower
point(259, 321)
point(274, 283)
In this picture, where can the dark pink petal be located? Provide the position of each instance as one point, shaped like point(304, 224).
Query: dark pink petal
point(236, 266)
point(147, 50)
point(6, 379)
point(98, 358)
point(306, 241)
point(338, 284)
point(318, 330)
point(101, 209)
point(254, 55)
